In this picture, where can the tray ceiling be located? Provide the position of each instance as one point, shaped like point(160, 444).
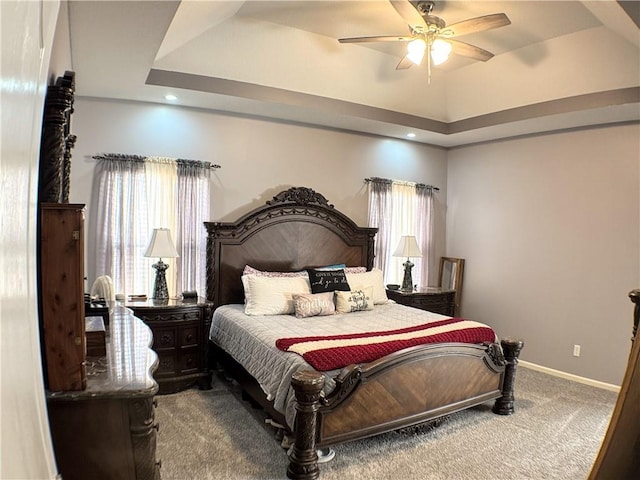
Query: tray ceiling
point(558, 65)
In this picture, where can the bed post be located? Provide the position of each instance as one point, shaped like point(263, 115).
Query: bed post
point(511, 349)
point(303, 460)
point(634, 295)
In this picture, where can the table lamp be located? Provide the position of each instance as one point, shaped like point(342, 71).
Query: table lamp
point(161, 246)
point(408, 247)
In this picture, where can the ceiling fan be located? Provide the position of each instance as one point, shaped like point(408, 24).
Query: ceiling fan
point(431, 34)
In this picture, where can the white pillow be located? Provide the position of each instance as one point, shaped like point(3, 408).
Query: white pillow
point(373, 277)
point(272, 295)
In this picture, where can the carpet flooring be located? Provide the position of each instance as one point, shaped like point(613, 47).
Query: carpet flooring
point(555, 433)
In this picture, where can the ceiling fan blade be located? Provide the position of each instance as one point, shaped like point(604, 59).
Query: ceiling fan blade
point(471, 51)
point(379, 38)
point(477, 24)
point(404, 63)
point(407, 11)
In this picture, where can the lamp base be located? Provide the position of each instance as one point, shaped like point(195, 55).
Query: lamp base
point(160, 290)
point(407, 281)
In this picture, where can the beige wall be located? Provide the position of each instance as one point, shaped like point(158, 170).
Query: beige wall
point(549, 226)
point(27, 35)
point(259, 158)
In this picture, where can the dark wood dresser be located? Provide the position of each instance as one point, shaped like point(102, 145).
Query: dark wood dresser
point(107, 431)
point(181, 340)
point(434, 299)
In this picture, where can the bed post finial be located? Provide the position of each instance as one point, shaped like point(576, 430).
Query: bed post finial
point(303, 461)
point(511, 348)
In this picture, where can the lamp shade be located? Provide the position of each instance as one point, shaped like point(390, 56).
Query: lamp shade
point(415, 50)
point(161, 245)
point(440, 51)
point(408, 247)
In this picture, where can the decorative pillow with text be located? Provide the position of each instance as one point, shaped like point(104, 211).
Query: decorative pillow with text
point(314, 304)
point(354, 300)
point(328, 280)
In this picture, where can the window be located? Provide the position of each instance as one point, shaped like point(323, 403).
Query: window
point(134, 195)
point(396, 209)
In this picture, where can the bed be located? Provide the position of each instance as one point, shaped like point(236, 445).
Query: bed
point(298, 229)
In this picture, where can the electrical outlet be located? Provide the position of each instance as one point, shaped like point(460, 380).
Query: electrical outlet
point(576, 350)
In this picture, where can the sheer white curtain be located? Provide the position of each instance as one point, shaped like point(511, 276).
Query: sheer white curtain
point(402, 208)
point(380, 209)
point(403, 221)
point(425, 214)
point(136, 194)
point(161, 177)
point(191, 238)
point(121, 236)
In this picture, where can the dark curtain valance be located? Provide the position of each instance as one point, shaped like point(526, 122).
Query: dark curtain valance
point(181, 162)
point(419, 186)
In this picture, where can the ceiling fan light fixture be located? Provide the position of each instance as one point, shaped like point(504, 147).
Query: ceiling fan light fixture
point(440, 51)
point(415, 50)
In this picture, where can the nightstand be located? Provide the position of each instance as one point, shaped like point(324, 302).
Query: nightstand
point(181, 340)
point(434, 299)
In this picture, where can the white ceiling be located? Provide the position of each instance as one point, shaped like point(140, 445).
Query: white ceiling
point(558, 65)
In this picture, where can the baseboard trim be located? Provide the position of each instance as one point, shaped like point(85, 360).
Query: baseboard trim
point(570, 376)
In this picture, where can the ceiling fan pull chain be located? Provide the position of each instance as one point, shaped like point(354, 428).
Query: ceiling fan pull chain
point(429, 64)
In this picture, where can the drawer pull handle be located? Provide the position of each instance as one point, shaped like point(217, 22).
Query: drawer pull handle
point(189, 337)
point(189, 361)
point(159, 463)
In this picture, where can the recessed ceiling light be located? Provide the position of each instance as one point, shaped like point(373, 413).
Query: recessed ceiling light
point(411, 135)
point(170, 97)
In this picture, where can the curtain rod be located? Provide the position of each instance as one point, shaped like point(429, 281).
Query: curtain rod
point(142, 158)
point(400, 182)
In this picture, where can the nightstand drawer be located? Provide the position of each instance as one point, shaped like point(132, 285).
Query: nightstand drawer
point(430, 298)
point(189, 362)
point(178, 363)
point(189, 336)
point(180, 338)
point(164, 338)
point(166, 364)
point(436, 304)
point(189, 314)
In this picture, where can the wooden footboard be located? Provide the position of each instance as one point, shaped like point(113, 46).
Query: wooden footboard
point(406, 388)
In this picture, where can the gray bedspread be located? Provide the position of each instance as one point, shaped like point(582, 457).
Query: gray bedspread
point(251, 341)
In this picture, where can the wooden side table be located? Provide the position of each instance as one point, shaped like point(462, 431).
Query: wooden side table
point(181, 340)
point(433, 299)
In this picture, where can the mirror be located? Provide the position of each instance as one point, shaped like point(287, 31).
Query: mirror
point(450, 278)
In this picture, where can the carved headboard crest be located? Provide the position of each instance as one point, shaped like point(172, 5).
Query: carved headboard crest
point(300, 196)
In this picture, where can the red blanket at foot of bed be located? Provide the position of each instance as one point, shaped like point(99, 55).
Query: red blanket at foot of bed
point(337, 351)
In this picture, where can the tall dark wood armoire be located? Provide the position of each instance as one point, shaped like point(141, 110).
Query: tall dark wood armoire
point(62, 294)
point(60, 246)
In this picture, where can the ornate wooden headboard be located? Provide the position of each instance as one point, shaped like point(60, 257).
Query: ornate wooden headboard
point(298, 229)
